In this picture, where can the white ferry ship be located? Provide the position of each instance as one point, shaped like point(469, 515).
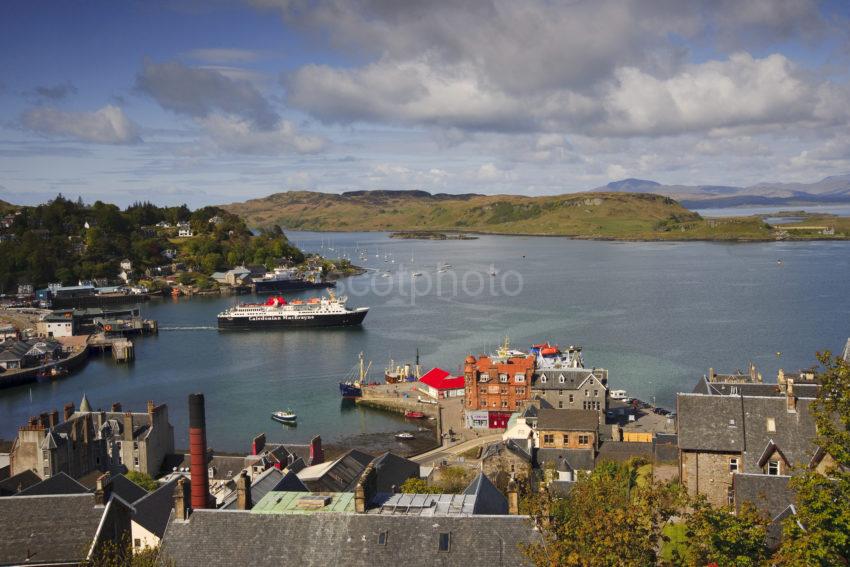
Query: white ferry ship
point(276, 312)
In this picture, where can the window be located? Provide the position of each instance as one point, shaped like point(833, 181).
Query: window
point(445, 541)
point(587, 393)
point(771, 424)
point(730, 496)
point(561, 378)
point(549, 439)
point(520, 391)
point(595, 393)
point(504, 403)
point(503, 390)
point(519, 378)
point(382, 538)
point(773, 468)
point(571, 398)
point(483, 390)
point(136, 462)
point(543, 379)
point(135, 445)
point(583, 439)
point(484, 377)
point(503, 378)
point(560, 404)
point(566, 439)
point(137, 542)
point(733, 465)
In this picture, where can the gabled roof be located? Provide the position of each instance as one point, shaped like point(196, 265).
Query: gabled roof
point(392, 470)
point(574, 378)
point(22, 480)
point(567, 459)
point(567, 420)
point(337, 476)
point(442, 380)
point(488, 499)
point(128, 490)
point(48, 529)
point(213, 538)
point(59, 483)
point(770, 494)
point(154, 508)
point(290, 483)
point(261, 485)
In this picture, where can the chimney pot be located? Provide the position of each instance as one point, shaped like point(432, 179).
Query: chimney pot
point(116, 407)
point(790, 398)
point(513, 498)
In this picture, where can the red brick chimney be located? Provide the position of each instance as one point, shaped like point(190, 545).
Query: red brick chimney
point(68, 411)
point(198, 451)
point(317, 454)
point(44, 419)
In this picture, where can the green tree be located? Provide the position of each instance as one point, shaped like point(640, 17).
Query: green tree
point(143, 480)
point(716, 535)
point(418, 486)
point(607, 519)
point(819, 534)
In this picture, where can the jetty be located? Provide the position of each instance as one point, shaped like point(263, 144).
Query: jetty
point(122, 348)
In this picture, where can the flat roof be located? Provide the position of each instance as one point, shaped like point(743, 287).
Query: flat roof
point(304, 503)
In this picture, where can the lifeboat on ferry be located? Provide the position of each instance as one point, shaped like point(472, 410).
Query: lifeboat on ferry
point(276, 302)
point(549, 351)
point(314, 300)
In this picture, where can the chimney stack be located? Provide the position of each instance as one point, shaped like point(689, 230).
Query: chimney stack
point(616, 433)
point(364, 491)
point(181, 499)
point(513, 498)
point(68, 411)
point(44, 419)
point(116, 407)
point(54, 418)
point(258, 444)
point(711, 374)
point(790, 398)
point(198, 451)
point(128, 426)
point(243, 492)
point(103, 489)
point(151, 406)
point(317, 454)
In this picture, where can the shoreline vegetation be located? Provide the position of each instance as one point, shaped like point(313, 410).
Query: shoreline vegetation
point(428, 235)
point(587, 216)
point(158, 248)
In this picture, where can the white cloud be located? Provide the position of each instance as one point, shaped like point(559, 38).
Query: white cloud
point(239, 135)
point(109, 125)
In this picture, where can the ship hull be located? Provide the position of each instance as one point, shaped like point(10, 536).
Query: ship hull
point(349, 390)
point(297, 322)
point(289, 285)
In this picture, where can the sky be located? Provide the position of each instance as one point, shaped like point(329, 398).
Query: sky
point(216, 101)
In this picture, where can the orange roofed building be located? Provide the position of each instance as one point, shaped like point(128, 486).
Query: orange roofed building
point(498, 384)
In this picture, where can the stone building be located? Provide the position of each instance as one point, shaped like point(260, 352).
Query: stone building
point(88, 440)
point(572, 388)
point(745, 428)
point(567, 429)
point(500, 383)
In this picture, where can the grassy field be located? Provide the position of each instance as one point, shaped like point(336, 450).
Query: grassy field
point(614, 216)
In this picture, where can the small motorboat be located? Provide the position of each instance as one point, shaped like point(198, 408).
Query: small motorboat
point(415, 274)
point(405, 435)
point(287, 416)
point(414, 414)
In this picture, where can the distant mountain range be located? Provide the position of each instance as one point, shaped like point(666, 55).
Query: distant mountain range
point(830, 190)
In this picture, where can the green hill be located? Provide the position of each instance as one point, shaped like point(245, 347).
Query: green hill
point(603, 215)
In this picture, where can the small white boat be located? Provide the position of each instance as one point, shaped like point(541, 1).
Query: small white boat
point(287, 416)
point(404, 435)
point(415, 274)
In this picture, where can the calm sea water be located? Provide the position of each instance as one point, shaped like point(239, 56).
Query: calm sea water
point(657, 315)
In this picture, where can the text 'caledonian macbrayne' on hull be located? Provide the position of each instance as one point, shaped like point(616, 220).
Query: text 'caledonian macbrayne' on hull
point(276, 312)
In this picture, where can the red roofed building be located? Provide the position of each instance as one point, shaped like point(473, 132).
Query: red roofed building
point(439, 384)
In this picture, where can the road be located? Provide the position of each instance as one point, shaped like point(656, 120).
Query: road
point(446, 451)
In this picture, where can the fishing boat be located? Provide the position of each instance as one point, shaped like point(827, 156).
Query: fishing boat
point(412, 414)
point(403, 373)
point(286, 416)
point(405, 435)
point(354, 388)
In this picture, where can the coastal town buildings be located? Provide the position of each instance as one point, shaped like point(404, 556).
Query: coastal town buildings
point(496, 386)
point(572, 388)
point(746, 435)
point(87, 440)
point(439, 384)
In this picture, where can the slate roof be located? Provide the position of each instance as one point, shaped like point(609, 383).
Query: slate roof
point(488, 499)
point(567, 420)
point(619, 451)
point(213, 538)
point(128, 490)
point(801, 390)
point(495, 449)
point(290, 483)
point(59, 483)
point(153, 510)
point(393, 470)
point(53, 529)
point(771, 495)
point(567, 459)
point(337, 476)
point(21, 480)
point(738, 424)
point(262, 484)
point(573, 378)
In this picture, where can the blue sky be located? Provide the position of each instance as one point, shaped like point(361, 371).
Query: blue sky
point(214, 102)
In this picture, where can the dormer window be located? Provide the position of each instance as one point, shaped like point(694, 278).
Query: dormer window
point(519, 378)
point(503, 378)
point(543, 379)
point(561, 378)
point(773, 468)
point(484, 377)
point(444, 541)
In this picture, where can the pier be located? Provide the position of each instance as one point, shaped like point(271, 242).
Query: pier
point(122, 348)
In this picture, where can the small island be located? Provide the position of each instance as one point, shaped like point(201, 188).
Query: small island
point(429, 235)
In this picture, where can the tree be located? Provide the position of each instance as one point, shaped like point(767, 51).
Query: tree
point(819, 534)
point(143, 480)
point(418, 486)
point(715, 535)
point(607, 519)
